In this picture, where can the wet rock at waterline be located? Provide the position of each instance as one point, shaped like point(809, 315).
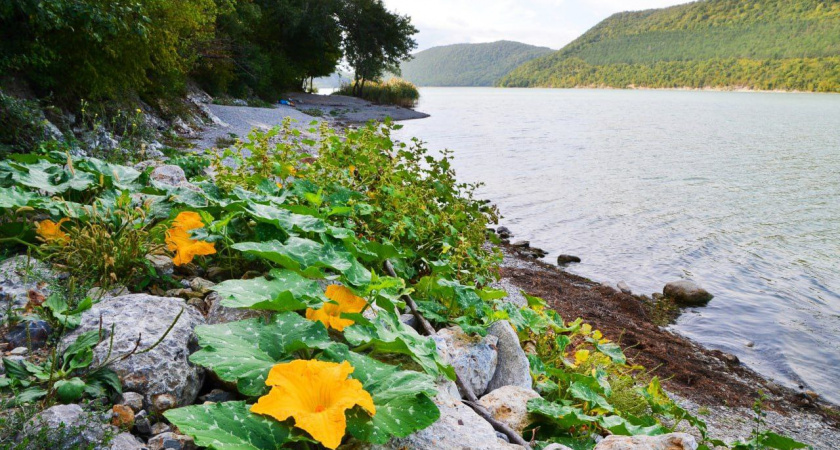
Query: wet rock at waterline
point(164, 375)
point(563, 260)
point(474, 358)
point(674, 441)
point(687, 293)
point(509, 405)
point(512, 368)
point(624, 287)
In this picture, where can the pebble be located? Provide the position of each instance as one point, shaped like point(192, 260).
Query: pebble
point(133, 400)
point(19, 351)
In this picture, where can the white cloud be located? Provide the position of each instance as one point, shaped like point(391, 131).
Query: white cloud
point(550, 23)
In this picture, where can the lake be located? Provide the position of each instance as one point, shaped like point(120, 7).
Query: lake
point(739, 192)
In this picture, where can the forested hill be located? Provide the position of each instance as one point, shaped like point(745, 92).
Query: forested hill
point(468, 64)
point(756, 44)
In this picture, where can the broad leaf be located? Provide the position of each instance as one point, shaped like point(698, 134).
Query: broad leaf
point(284, 219)
point(563, 416)
point(283, 291)
point(243, 352)
point(229, 426)
point(308, 257)
point(69, 391)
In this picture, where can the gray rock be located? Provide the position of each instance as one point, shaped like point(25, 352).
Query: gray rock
point(624, 287)
point(171, 441)
point(142, 424)
point(512, 368)
point(97, 293)
point(201, 285)
point(563, 260)
point(169, 174)
point(160, 428)
point(509, 405)
point(459, 428)
point(217, 396)
point(133, 400)
point(149, 163)
point(521, 244)
point(68, 427)
point(19, 351)
point(474, 358)
point(673, 441)
point(217, 313)
point(409, 320)
point(29, 334)
point(557, 447)
point(163, 375)
point(687, 293)
point(514, 292)
point(127, 441)
point(19, 275)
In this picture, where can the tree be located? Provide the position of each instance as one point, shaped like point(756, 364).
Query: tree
point(375, 40)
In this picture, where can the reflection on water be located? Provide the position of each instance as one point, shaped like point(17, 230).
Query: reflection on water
point(737, 191)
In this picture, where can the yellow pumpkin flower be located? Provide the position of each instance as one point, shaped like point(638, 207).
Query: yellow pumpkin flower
point(178, 239)
point(581, 356)
point(330, 313)
point(50, 231)
point(316, 394)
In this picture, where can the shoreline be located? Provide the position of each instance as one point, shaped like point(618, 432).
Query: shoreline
point(713, 385)
point(740, 89)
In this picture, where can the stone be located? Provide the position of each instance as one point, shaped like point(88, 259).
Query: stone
point(68, 427)
point(142, 424)
point(29, 334)
point(133, 400)
point(512, 368)
point(217, 313)
point(673, 441)
point(149, 163)
point(504, 232)
point(514, 293)
point(160, 428)
point(20, 277)
point(409, 320)
point(97, 293)
point(201, 285)
point(122, 417)
point(563, 260)
point(509, 404)
point(474, 358)
point(556, 447)
point(521, 244)
point(217, 396)
point(171, 441)
point(172, 175)
point(163, 375)
point(163, 264)
point(686, 293)
point(126, 441)
point(459, 428)
point(624, 287)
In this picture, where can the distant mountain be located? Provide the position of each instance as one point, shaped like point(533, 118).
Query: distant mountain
point(468, 64)
point(334, 81)
point(756, 44)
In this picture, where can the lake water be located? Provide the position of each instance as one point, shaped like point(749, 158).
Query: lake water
point(739, 192)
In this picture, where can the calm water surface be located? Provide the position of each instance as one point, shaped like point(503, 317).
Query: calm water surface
point(737, 191)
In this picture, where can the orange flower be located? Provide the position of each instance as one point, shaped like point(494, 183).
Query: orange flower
point(49, 231)
point(316, 394)
point(178, 239)
point(330, 313)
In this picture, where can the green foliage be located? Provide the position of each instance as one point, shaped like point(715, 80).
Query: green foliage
point(392, 92)
point(762, 438)
point(67, 376)
point(468, 64)
point(22, 124)
point(756, 44)
point(193, 165)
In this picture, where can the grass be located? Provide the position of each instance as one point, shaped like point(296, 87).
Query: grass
point(395, 91)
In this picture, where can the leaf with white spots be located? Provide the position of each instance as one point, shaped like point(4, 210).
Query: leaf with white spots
point(230, 426)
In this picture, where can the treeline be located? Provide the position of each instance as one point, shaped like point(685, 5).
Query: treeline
point(800, 74)
point(105, 49)
point(468, 64)
point(709, 43)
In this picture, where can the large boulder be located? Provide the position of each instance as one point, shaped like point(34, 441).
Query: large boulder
point(513, 368)
point(20, 278)
point(216, 313)
point(459, 428)
point(474, 358)
point(65, 427)
point(172, 175)
point(687, 293)
point(509, 405)
point(164, 375)
point(673, 441)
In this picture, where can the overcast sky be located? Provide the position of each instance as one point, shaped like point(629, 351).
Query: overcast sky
point(549, 23)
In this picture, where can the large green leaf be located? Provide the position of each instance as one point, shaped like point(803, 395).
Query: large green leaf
point(243, 352)
point(48, 177)
point(610, 349)
point(15, 197)
point(563, 416)
point(308, 257)
point(583, 392)
point(388, 334)
point(118, 176)
point(70, 390)
point(283, 290)
point(285, 219)
point(625, 427)
point(402, 398)
point(229, 426)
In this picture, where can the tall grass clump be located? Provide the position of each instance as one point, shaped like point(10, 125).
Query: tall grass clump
point(395, 91)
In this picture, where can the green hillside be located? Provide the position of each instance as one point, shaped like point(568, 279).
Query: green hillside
point(756, 44)
point(468, 64)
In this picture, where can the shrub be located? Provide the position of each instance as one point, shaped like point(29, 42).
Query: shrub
point(22, 124)
point(395, 91)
